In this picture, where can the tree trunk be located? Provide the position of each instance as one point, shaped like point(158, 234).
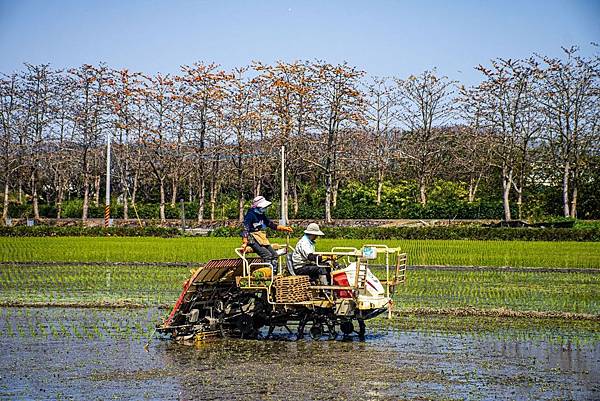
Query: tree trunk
point(328, 186)
point(97, 190)
point(257, 188)
point(240, 172)
point(173, 192)
point(241, 207)
point(86, 197)
point(565, 189)
point(473, 185)
point(506, 181)
point(59, 200)
point(162, 201)
point(5, 203)
point(201, 199)
point(471, 190)
point(295, 199)
point(125, 206)
point(334, 194)
point(20, 196)
point(380, 177)
point(135, 186)
point(34, 196)
point(574, 201)
point(213, 201)
point(422, 193)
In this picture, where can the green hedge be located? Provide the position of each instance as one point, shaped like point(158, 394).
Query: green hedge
point(382, 233)
point(79, 231)
point(459, 232)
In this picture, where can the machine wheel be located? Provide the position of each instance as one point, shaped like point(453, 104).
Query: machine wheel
point(362, 328)
point(245, 324)
point(316, 331)
point(347, 327)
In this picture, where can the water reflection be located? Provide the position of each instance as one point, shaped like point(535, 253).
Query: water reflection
point(392, 364)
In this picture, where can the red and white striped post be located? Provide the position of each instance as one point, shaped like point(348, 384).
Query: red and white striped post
point(107, 203)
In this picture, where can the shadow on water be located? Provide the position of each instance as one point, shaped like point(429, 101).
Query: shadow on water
point(58, 353)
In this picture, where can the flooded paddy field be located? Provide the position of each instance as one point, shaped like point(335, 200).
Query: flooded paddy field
point(155, 284)
point(86, 353)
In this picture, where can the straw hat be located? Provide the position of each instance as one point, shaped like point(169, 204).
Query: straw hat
point(313, 228)
point(260, 201)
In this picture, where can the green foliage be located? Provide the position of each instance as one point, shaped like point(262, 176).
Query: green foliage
point(77, 231)
point(444, 232)
point(587, 224)
point(582, 232)
point(356, 200)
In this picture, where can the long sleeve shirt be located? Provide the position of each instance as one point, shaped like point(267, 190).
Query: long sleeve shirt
point(255, 221)
point(301, 256)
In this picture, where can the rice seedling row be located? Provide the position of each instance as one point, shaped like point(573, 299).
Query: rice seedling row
point(85, 323)
point(101, 324)
point(199, 250)
point(156, 285)
point(547, 292)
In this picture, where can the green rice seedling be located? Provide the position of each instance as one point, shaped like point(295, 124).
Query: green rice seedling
point(77, 332)
point(21, 331)
point(440, 252)
point(577, 293)
point(10, 330)
point(54, 331)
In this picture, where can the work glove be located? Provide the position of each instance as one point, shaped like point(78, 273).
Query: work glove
point(285, 228)
point(244, 244)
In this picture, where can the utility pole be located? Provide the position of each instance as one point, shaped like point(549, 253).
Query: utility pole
point(107, 203)
point(284, 209)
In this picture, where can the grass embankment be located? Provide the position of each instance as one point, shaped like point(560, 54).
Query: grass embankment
point(200, 250)
point(426, 290)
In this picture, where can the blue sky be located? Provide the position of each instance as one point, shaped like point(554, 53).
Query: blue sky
point(381, 37)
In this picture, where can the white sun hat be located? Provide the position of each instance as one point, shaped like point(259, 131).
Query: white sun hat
point(260, 201)
point(313, 228)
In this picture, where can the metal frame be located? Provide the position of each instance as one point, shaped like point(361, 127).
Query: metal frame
point(350, 254)
point(398, 259)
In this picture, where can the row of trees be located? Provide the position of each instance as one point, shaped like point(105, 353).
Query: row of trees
point(207, 132)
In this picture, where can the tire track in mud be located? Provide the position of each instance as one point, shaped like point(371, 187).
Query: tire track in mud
point(506, 269)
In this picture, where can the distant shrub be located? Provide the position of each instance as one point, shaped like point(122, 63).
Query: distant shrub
point(80, 231)
point(442, 233)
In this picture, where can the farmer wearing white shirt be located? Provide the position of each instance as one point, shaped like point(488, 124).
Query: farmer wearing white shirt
point(304, 259)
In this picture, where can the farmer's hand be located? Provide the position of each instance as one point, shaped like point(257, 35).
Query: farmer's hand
point(285, 228)
point(244, 244)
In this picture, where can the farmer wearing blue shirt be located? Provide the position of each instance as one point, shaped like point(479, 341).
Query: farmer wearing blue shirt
point(254, 235)
point(305, 260)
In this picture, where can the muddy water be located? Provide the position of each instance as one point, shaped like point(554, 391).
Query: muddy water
point(55, 353)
